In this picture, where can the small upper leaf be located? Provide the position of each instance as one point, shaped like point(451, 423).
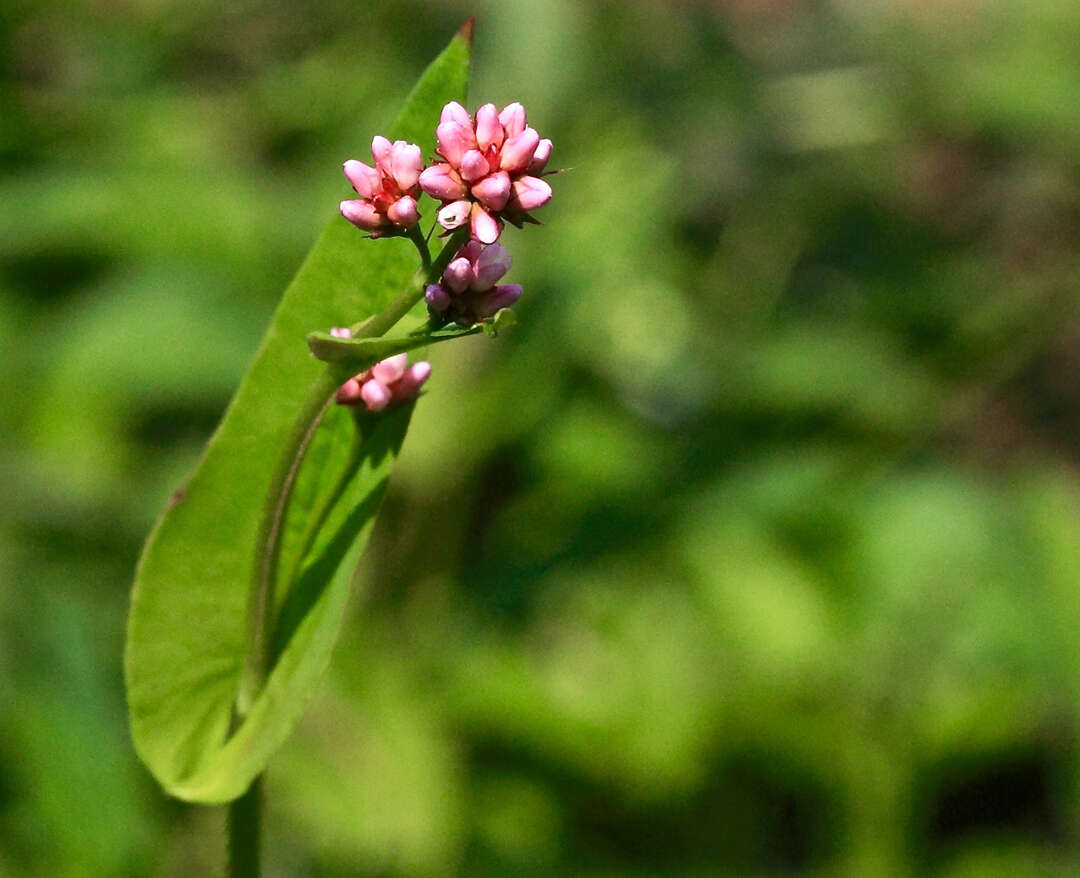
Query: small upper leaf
point(359, 353)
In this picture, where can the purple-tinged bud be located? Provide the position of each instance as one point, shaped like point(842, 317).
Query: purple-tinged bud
point(403, 212)
point(512, 119)
point(376, 395)
point(474, 166)
point(498, 298)
point(341, 332)
point(493, 191)
point(541, 156)
point(471, 250)
point(436, 297)
point(406, 163)
point(531, 193)
point(489, 131)
point(454, 214)
point(458, 274)
point(483, 226)
point(517, 152)
point(380, 151)
point(349, 392)
point(454, 112)
point(441, 181)
point(454, 140)
point(502, 296)
point(391, 369)
point(364, 178)
point(409, 384)
point(362, 214)
point(490, 265)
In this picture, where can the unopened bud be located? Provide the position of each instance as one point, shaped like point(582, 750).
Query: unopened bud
point(403, 212)
point(458, 275)
point(376, 395)
point(531, 193)
point(489, 131)
point(512, 118)
point(541, 156)
point(436, 297)
point(441, 181)
point(493, 191)
point(517, 152)
point(483, 226)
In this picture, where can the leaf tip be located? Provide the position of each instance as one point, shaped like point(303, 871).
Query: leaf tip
point(466, 30)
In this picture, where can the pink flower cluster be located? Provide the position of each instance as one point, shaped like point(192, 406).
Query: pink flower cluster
point(467, 292)
point(490, 169)
point(388, 382)
point(388, 191)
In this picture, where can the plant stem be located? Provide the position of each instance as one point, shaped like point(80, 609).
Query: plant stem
point(384, 321)
point(244, 830)
point(417, 237)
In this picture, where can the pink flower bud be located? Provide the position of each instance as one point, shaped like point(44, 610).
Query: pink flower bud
point(493, 191)
point(474, 166)
point(442, 182)
point(403, 212)
point(389, 370)
point(517, 152)
point(512, 119)
point(489, 131)
point(541, 156)
point(458, 274)
point(454, 140)
point(376, 395)
point(349, 392)
point(500, 297)
point(362, 214)
point(409, 384)
point(406, 163)
point(380, 151)
point(341, 332)
point(491, 265)
point(531, 193)
point(454, 112)
point(483, 226)
point(454, 214)
point(436, 297)
point(364, 178)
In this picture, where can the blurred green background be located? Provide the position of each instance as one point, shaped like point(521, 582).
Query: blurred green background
point(754, 550)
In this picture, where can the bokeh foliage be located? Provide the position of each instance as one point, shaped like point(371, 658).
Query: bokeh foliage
point(752, 550)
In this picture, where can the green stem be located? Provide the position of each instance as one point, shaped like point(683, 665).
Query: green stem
point(384, 321)
point(244, 831)
point(417, 237)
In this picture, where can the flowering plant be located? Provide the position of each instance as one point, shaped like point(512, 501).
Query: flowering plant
point(242, 583)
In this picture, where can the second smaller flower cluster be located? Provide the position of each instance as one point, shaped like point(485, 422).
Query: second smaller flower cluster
point(387, 382)
point(468, 291)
